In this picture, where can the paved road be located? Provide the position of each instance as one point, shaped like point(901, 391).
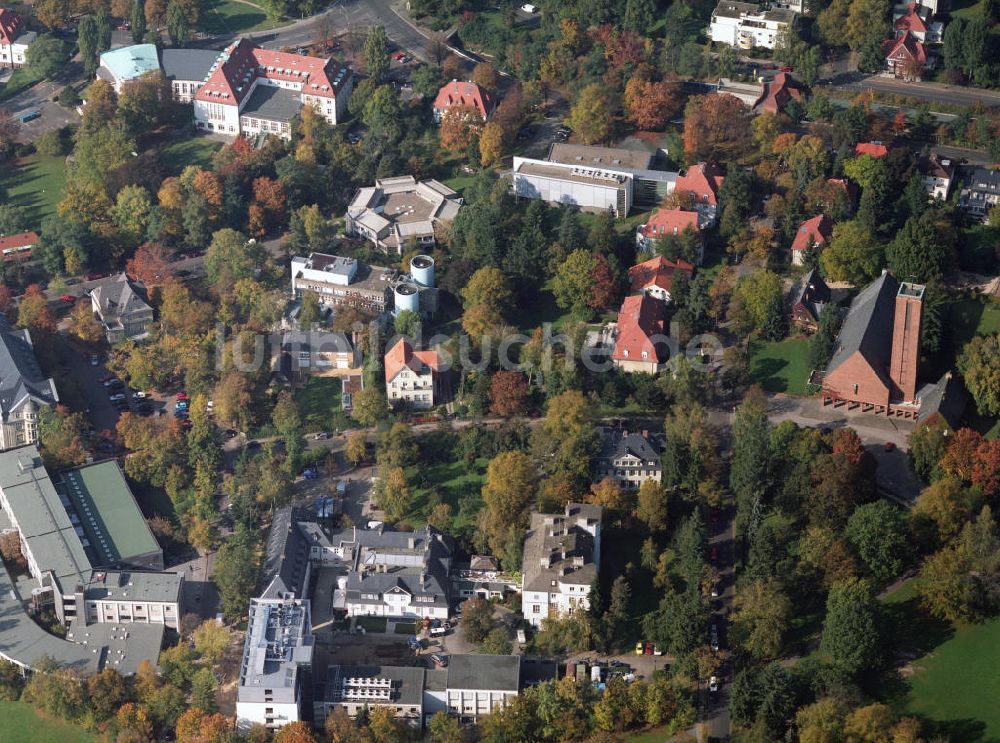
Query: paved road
point(975, 157)
point(955, 95)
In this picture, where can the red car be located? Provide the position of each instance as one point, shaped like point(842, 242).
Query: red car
point(714, 554)
point(182, 396)
point(647, 648)
point(94, 276)
point(398, 55)
point(889, 446)
point(787, 68)
point(67, 298)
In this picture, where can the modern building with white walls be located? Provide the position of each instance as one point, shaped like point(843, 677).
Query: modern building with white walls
point(746, 25)
point(397, 212)
point(562, 555)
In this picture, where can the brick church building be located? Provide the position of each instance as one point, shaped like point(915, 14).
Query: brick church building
point(875, 359)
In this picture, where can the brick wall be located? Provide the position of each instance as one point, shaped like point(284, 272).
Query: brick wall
point(856, 371)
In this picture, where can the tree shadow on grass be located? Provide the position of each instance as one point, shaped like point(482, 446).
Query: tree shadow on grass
point(912, 632)
point(765, 371)
point(957, 731)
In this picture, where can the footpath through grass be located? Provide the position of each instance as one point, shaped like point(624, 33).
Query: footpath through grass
point(35, 184)
point(781, 366)
point(22, 724)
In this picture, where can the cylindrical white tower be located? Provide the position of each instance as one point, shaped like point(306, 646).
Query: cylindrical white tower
point(406, 296)
point(422, 270)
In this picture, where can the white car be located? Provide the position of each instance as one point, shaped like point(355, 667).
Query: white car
point(140, 395)
point(713, 684)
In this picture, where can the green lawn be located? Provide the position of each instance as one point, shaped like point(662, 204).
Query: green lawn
point(319, 404)
point(20, 79)
point(404, 628)
point(956, 685)
point(781, 366)
point(971, 317)
point(35, 183)
point(372, 624)
point(176, 156)
point(22, 724)
point(460, 182)
point(232, 16)
point(453, 483)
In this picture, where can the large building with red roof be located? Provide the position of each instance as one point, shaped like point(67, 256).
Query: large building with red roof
point(905, 56)
point(812, 234)
point(251, 91)
point(703, 183)
point(15, 39)
point(17, 246)
point(655, 277)
point(664, 222)
point(466, 94)
point(413, 376)
point(640, 337)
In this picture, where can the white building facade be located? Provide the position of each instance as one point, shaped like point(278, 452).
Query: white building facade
point(745, 26)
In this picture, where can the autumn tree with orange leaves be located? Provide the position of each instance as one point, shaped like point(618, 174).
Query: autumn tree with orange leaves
point(459, 126)
point(508, 393)
point(150, 265)
point(651, 105)
point(716, 128)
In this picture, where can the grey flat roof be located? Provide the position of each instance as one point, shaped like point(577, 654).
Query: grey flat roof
point(134, 585)
point(272, 104)
point(563, 172)
point(187, 64)
point(611, 158)
point(484, 672)
point(41, 516)
point(407, 682)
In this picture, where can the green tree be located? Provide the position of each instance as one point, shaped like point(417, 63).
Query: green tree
point(878, 533)
point(309, 310)
point(377, 54)
point(443, 728)
point(47, 57)
point(853, 255)
point(392, 492)
point(382, 113)
point(764, 697)
point(231, 257)
point(748, 473)
point(138, 22)
point(88, 40)
point(851, 638)
point(211, 640)
point(204, 687)
point(639, 15)
point(761, 617)
point(236, 572)
point(177, 23)
point(922, 251)
point(288, 423)
point(572, 283)
point(979, 364)
point(821, 344)
point(107, 692)
point(131, 212)
point(370, 406)
point(760, 293)
point(508, 494)
point(477, 620)
point(652, 505)
point(592, 116)
point(496, 643)
point(103, 19)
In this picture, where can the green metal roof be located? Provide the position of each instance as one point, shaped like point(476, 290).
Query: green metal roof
point(131, 62)
point(108, 512)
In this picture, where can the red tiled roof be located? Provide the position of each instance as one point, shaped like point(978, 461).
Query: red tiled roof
point(640, 317)
point(875, 149)
point(815, 231)
point(242, 62)
point(657, 272)
point(10, 26)
point(20, 240)
point(911, 21)
point(458, 93)
point(703, 182)
point(669, 222)
point(778, 92)
point(402, 355)
point(906, 45)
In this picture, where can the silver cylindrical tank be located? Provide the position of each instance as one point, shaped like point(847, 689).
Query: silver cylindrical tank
point(422, 270)
point(406, 296)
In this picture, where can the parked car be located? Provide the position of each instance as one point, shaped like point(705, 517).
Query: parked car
point(182, 405)
point(230, 433)
point(109, 381)
point(67, 298)
point(309, 473)
point(105, 377)
point(714, 554)
point(439, 631)
point(29, 116)
point(321, 436)
point(639, 648)
point(139, 395)
point(117, 396)
point(180, 414)
point(182, 396)
point(713, 684)
point(714, 638)
point(94, 276)
point(94, 359)
point(889, 446)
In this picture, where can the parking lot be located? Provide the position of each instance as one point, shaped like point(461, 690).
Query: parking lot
point(50, 114)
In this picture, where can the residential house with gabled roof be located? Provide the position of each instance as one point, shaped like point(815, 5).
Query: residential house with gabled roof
point(703, 182)
point(665, 222)
point(916, 19)
point(980, 190)
point(251, 91)
point(808, 298)
point(938, 174)
point(562, 556)
point(875, 358)
point(629, 457)
point(121, 306)
point(415, 377)
point(656, 276)
point(813, 234)
point(24, 389)
point(779, 92)
point(906, 57)
point(15, 39)
point(465, 94)
point(640, 335)
point(17, 246)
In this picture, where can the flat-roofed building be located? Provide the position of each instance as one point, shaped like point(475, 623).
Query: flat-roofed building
point(592, 178)
point(356, 688)
point(338, 280)
point(186, 70)
point(748, 25)
point(480, 684)
point(399, 211)
point(276, 655)
point(133, 597)
point(120, 66)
